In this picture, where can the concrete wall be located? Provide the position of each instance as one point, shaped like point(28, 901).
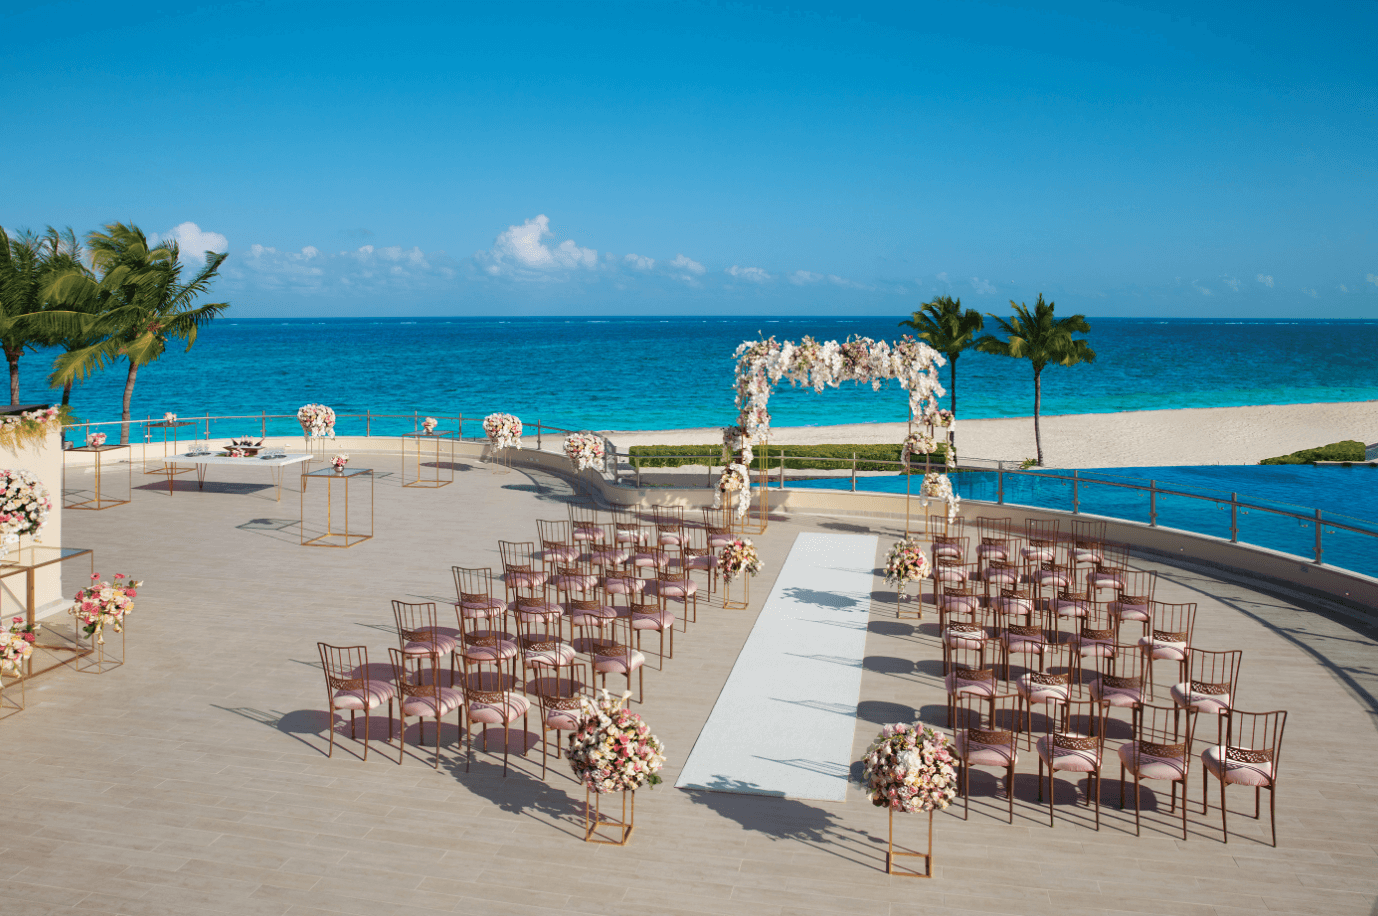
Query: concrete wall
point(44, 462)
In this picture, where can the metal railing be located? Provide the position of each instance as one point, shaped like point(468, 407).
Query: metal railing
point(1304, 532)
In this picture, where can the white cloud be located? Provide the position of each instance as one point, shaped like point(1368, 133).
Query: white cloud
point(1372, 278)
point(1310, 292)
point(520, 252)
point(1343, 288)
point(192, 242)
point(1265, 280)
point(805, 278)
point(682, 263)
point(639, 262)
point(754, 274)
point(982, 287)
point(1231, 282)
point(942, 277)
point(1196, 285)
point(809, 278)
point(365, 269)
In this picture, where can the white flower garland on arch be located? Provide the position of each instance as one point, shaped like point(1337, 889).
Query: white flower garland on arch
point(762, 363)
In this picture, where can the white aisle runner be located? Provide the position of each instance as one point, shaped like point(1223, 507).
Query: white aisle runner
point(784, 721)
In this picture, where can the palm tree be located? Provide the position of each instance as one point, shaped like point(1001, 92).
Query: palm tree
point(949, 330)
point(27, 264)
point(1041, 339)
point(143, 303)
point(64, 254)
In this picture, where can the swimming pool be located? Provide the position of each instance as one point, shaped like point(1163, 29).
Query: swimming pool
point(1198, 499)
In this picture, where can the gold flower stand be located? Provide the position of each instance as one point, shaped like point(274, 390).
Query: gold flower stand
point(499, 458)
point(727, 601)
point(423, 441)
point(595, 820)
point(98, 500)
point(28, 559)
point(902, 600)
point(893, 852)
point(101, 662)
point(338, 482)
point(8, 705)
point(166, 467)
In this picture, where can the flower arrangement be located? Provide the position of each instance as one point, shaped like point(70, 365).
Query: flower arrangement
point(31, 427)
point(910, 768)
point(24, 508)
point(503, 430)
point(736, 446)
point(917, 444)
point(317, 420)
point(16, 645)
point(939, 486)
point(943, 419)
point(612, 749)
point(236, 453)
point(169, 418)
point(429, 424)
point(338, 461)
point(95, 440)
point(906, 563)
point(735, 484)
point(762, 363)
point(105, 605)
point(739, 556)
point(585, 450)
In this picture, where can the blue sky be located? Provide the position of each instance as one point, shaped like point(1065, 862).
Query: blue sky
point(414, 159)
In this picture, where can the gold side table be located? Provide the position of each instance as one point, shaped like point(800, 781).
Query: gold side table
point(169, 469)
point(101, 501)
point(28, 560)
point(424, 441)
point(337, 489)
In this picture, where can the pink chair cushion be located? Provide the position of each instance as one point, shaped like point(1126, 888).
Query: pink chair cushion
point(1159, 648)
point(592, 617)
point(526, 579)
point(1146, 766)
point(1066, 609)
point(426, 706)
point(1038, 554)
point(719, 540)
point(704, 561)
point(1183, 695)
point(1001, 575)
point(947, 551)
point(1048, 577)
point(993, 551)
point(480, 610)
point(649, 560)
point(588, 533)
point(575, 583)
point(371, 695)
point(1116, 696)
point(1107, 580)
point(1039, 693)
point(1237, 772)
point(656, 620)
point(1017, 606)
point(542, 610)
point(985, 755)
point(678, 589)
point(621, 663)
point(1018, 642)
point(1133, 612)
point(959, 638)
point(610, 557)
point(563, 654)
point(960, 604)
point(669, 539)
point(1066, 758)
point(509, 707)
point(441, 645)
point(1083, 555)
point(1091, 648)
point(506, 648)
point(623, 585)
point(560, 554)
point(949, 574)
point(977, 688)
point(562, 719)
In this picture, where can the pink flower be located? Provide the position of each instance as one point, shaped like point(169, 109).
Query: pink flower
point(95, 577)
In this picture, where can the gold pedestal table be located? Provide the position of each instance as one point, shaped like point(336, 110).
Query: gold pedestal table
point(337, 487)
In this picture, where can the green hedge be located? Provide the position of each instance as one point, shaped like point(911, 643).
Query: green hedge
point(1348, 450)
point(673, 456)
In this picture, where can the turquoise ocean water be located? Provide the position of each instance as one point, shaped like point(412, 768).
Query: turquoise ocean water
point(672, 372)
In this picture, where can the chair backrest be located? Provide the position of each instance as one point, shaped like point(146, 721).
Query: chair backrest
point(473, 585)
point(410, 675)
point(1077, 725)
point(1162, 731)
point(1097, 623)
point(517, 556)
point(557, 533)
point(991, 721)
point(941, 525)
point(1214, 672)
point(1114, 556)
point(558, 693)
point(533, 611)
point(1126, 665)
point(1014, 602)
point(717, 521)
point(1088, 532)
point(1138, 586)
point(585, 519)
point(1255, 737)
point(1041, 530)
point(668, 518)
point(695, 541)
point(345, 667)
point(1173, 622)
point(991, 527)
point(415, 622)
point(968, 664)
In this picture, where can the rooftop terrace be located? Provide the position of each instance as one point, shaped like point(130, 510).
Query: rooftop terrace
point(194, 780)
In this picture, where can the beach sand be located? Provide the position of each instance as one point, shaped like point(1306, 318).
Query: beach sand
point(1211, 435)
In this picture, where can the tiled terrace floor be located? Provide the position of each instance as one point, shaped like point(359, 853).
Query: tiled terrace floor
point(194, 779)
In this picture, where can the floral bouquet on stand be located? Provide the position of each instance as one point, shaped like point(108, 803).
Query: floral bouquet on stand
point(612, 750)
point(910, 768)
point(317, 421)
point(917, 444)
point(906, 563)
point(739, 557)
point(16, 645)
point(735, 484)
point(169, 418)
point(338, 462)
point(503, 430)
point(429, 424)
point(736, 445)
point(105, 604)
point(939, 486)
point(95, 440)
point(24, 508)
point(585, 450)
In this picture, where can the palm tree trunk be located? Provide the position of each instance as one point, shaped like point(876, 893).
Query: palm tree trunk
point(67, 394)
point(128, 396)
point(12, 357)
point(1038, 403)
point(952, 374)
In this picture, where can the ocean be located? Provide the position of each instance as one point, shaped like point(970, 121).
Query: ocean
point(674, 372)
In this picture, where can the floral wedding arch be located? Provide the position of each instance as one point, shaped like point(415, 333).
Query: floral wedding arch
point(761, 364)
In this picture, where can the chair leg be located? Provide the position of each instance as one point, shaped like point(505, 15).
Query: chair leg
point(1121, 787)
point(1040, 781)
point(437, 738)
point(1097, 781)
point(1224, 815)
point(1273, 811)
point(1136, 804)
point(966, 790)
point(330, 714)
point(402, 741)
point(1009, 789)
point(367, 727)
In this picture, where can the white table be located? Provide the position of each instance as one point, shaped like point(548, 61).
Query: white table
point(203, 463)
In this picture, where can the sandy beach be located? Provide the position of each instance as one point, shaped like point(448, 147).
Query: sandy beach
point(1212, 435)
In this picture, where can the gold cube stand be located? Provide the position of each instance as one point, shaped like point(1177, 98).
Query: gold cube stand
point(420, 478)
point(727, 601)
point(902, 600)
point(346, 536)
point(892, 853)
point(594, 820)
point(162, 467)
point(99, 501)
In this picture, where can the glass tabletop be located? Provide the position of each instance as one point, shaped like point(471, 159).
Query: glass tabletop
point(164, 424)
point(37, 555)
point(438, 434)
point(97, 448)
point(330, 472)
